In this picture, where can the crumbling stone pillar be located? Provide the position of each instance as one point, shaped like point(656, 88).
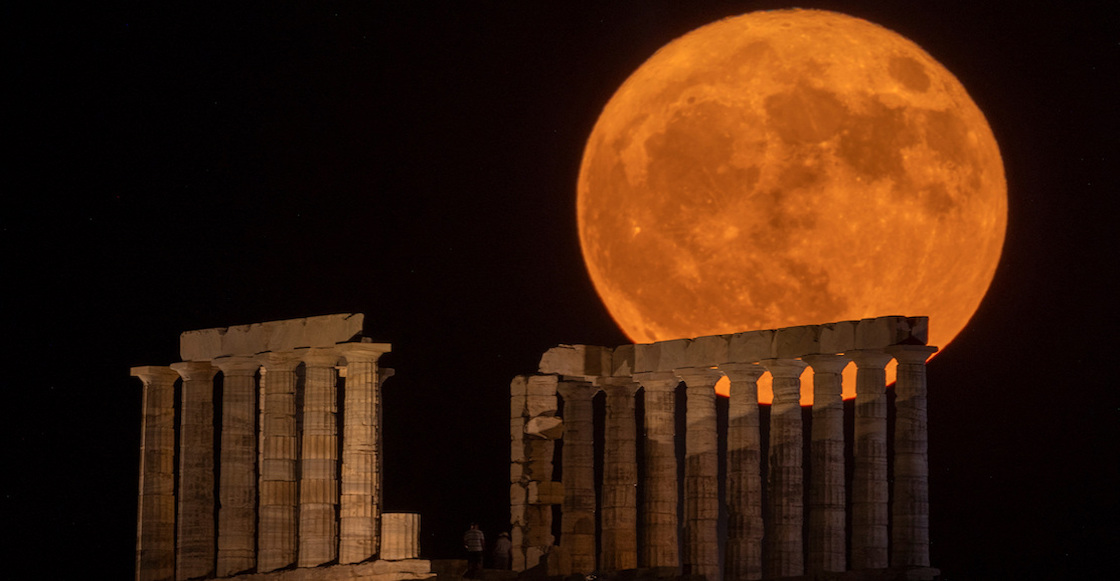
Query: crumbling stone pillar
point(619, 510)
point(701, 476)
point(577, 520)
point(910, 508)
point(785, 469)
point(195, 536)
point(155, 531)
point(659, 510)
point(869, 481)
point(237, 488)
point(361, 466)
point(278, 512)
point(318, 485)
point(532, 492)
point(827, 543)
point(743, 555)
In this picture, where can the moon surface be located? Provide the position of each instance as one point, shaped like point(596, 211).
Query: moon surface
point(786, 168)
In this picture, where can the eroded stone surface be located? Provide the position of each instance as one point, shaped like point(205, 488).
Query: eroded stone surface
point(285, 335)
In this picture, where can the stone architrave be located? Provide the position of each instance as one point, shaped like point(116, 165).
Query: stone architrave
point(701, 472)
point(318, 484)
point(619, 510)
point(577, 516)
point(910, 508)
point(358, 512)
point(787, 509)
point(869, 480)
point(237, 487)
point(277, 520)
point(195, 538)
point(827, 494)
point(658, 546)
point(743, 555)
point(155, 529)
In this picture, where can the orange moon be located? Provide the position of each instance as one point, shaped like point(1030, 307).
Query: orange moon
point(787, 168)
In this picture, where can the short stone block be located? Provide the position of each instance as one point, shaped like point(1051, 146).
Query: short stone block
point(707, 351)
point(750, 347)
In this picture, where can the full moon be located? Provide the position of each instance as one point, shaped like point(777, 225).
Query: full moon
point(787, 168)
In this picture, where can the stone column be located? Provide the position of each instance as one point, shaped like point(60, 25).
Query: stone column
point(659, 510)
point(743, 557)
point(785, 461)
point(910, 508)
point(701, 473)
point(155, 516)
point(869, 480)
point(277, 516)
point(318, 484)
point(827, 494)
point(358, 511)
point(577, 519)
point(619, 508)
point(195, 538)
point(237, 488)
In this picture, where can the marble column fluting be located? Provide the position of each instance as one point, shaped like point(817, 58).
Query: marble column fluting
point(195, 539)
point(743, 554)
point(155, 522)
point(910, 500)
point(786, 482)
point(827, 492)
point(619, 506)
point(358, 513)
point(277, 518)
point(659, 543)
point(237, 486)
point(869, 480)
point(318, 484)
point(701, 476)
point(577, 513)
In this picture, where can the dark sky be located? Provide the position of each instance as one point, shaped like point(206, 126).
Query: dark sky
point(185, 168)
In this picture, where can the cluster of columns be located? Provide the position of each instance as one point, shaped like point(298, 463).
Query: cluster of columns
point(280, 502)
point(754, 529)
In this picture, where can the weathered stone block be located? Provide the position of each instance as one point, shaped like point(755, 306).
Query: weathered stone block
point(750, 347)
point(519, 386)
point(794, 342)
point(622, 361)
point(542, 385)
point(545, 427)
point(707, 351)
point(837, 337)
point(284, 335)
point(518, 494)
point(881, 331)
point(546, 492)
point(517, 406)
point(576, 360)
point(673, 354)
point(647, 357)
point(540, 405)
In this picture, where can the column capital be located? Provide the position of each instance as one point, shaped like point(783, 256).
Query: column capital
point(279, 360)
point(737, 372)
point(827, 363)
point(237, 365)
point(785, 368)
point(318, 356)
point(911, 353)
point(658, 380)
point(614, 384)
point(195, 370)
point(150, 373)
point(869, 358)
point(363, 352)
point(699, 376)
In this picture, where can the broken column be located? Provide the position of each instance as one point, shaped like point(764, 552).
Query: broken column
point(155, 534)
point(743, 557)
point(195, 538)
point(910, 503)
point(701, 473)
point(827, 512)
point(785, 469)
point(532, 491)
point(278, 513)
point(237, 489)
point(577, 520)
point(658, 547)
point(400, 536)
point(869, 480)
point(318, 485)
point(619, 507)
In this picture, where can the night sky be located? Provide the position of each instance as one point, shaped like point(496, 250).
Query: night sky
point(185, 168)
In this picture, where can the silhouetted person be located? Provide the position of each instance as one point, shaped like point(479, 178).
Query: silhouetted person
point(475, 543)
point(503, 552)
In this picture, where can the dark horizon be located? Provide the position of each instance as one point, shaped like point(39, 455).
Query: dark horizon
point(181, 168)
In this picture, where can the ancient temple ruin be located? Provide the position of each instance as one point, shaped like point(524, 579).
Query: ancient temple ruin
point(294, 480)
point(773, 528)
